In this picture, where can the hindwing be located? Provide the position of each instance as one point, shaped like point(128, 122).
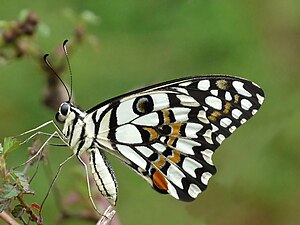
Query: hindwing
point(168, 132)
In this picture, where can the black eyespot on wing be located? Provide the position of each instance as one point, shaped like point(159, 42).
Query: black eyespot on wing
point(143, 105)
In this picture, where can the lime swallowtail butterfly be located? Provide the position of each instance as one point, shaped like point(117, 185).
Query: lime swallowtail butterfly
point(167, 133)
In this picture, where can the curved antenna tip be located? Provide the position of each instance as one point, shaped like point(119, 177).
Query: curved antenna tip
point(65, 42)
point(45, 56)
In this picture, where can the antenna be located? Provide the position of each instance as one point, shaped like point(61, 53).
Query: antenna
point(55, 73)
point(69, 66)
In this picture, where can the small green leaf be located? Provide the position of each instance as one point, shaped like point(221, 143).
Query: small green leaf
point(10, 191)
point(10, 144)
point(22, 180)
point(4, 203)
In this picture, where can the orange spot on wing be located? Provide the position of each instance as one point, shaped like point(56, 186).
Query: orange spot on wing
point(175, 157)
point(153, 133)
point(160, 181)
point(171, 140)
point(141, 105)
point(222, 84)
point(160, 162)
point(175, 129)
point(166, 116)
point(227, 108)
point(236, 98)
point(214, 116)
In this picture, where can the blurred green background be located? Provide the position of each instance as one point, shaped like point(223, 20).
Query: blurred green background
point(144, 42)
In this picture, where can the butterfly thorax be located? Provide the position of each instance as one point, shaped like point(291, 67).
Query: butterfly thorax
point(74, 128)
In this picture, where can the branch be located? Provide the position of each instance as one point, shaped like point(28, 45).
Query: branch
point(8, 219)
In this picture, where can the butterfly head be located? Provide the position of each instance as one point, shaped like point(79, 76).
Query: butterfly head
point(63, 112)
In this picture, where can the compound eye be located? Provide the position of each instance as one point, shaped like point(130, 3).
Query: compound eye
point(64, 109)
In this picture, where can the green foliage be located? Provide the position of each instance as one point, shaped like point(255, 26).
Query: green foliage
point(144, 42)
point(13, 183)
point(9, 145)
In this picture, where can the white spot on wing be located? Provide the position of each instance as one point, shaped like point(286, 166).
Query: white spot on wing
point(159, 147)
point(254, 111)
point(192, 129)
point(182, 90)
point(205, 177)
point(220, 138)
point(160, 101)
point(175, 175)
point(150, 119)
point(100, 111)
point(228, 96)
point(104, 124)
point(243, 121)
point(214, 92)
point(203, 85)
point(246, 104)
point(194, 190)
point(207, 155)
point(214, 102)
point(207, 136)
point(162, 139)
point(128, 134)
point(225, 122)
point(144, 150)
point(190, 165)
point(184, 84)
point(186, 145)
point(202, 117)
point(125, 113)
point(232, 129)
point(236, 113)
point(214, 128)
point(187, 101)
point(239, 87)
point(172, 191)
point(130, 154)
point(181, 114)
point(260, 98)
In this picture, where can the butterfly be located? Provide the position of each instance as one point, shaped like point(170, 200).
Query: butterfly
point(167, 133)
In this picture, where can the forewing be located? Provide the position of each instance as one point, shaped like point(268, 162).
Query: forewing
point(168, 132)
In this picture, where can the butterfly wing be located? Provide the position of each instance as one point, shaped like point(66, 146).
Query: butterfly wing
point(168, 132)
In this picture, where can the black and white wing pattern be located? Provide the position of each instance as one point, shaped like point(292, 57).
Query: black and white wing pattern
point(168, 132)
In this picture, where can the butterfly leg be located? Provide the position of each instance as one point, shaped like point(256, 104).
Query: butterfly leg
point(53, 181)
point(107, 216)
point(39, 151)
point(88, 185)
point(109, 212)
point(37, 132)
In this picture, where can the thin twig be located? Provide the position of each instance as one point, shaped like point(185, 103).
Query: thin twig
point(32, 215)
point(8, 219)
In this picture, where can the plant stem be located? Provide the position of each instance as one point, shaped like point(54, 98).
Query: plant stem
point(33, 216)
point(8, 219)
